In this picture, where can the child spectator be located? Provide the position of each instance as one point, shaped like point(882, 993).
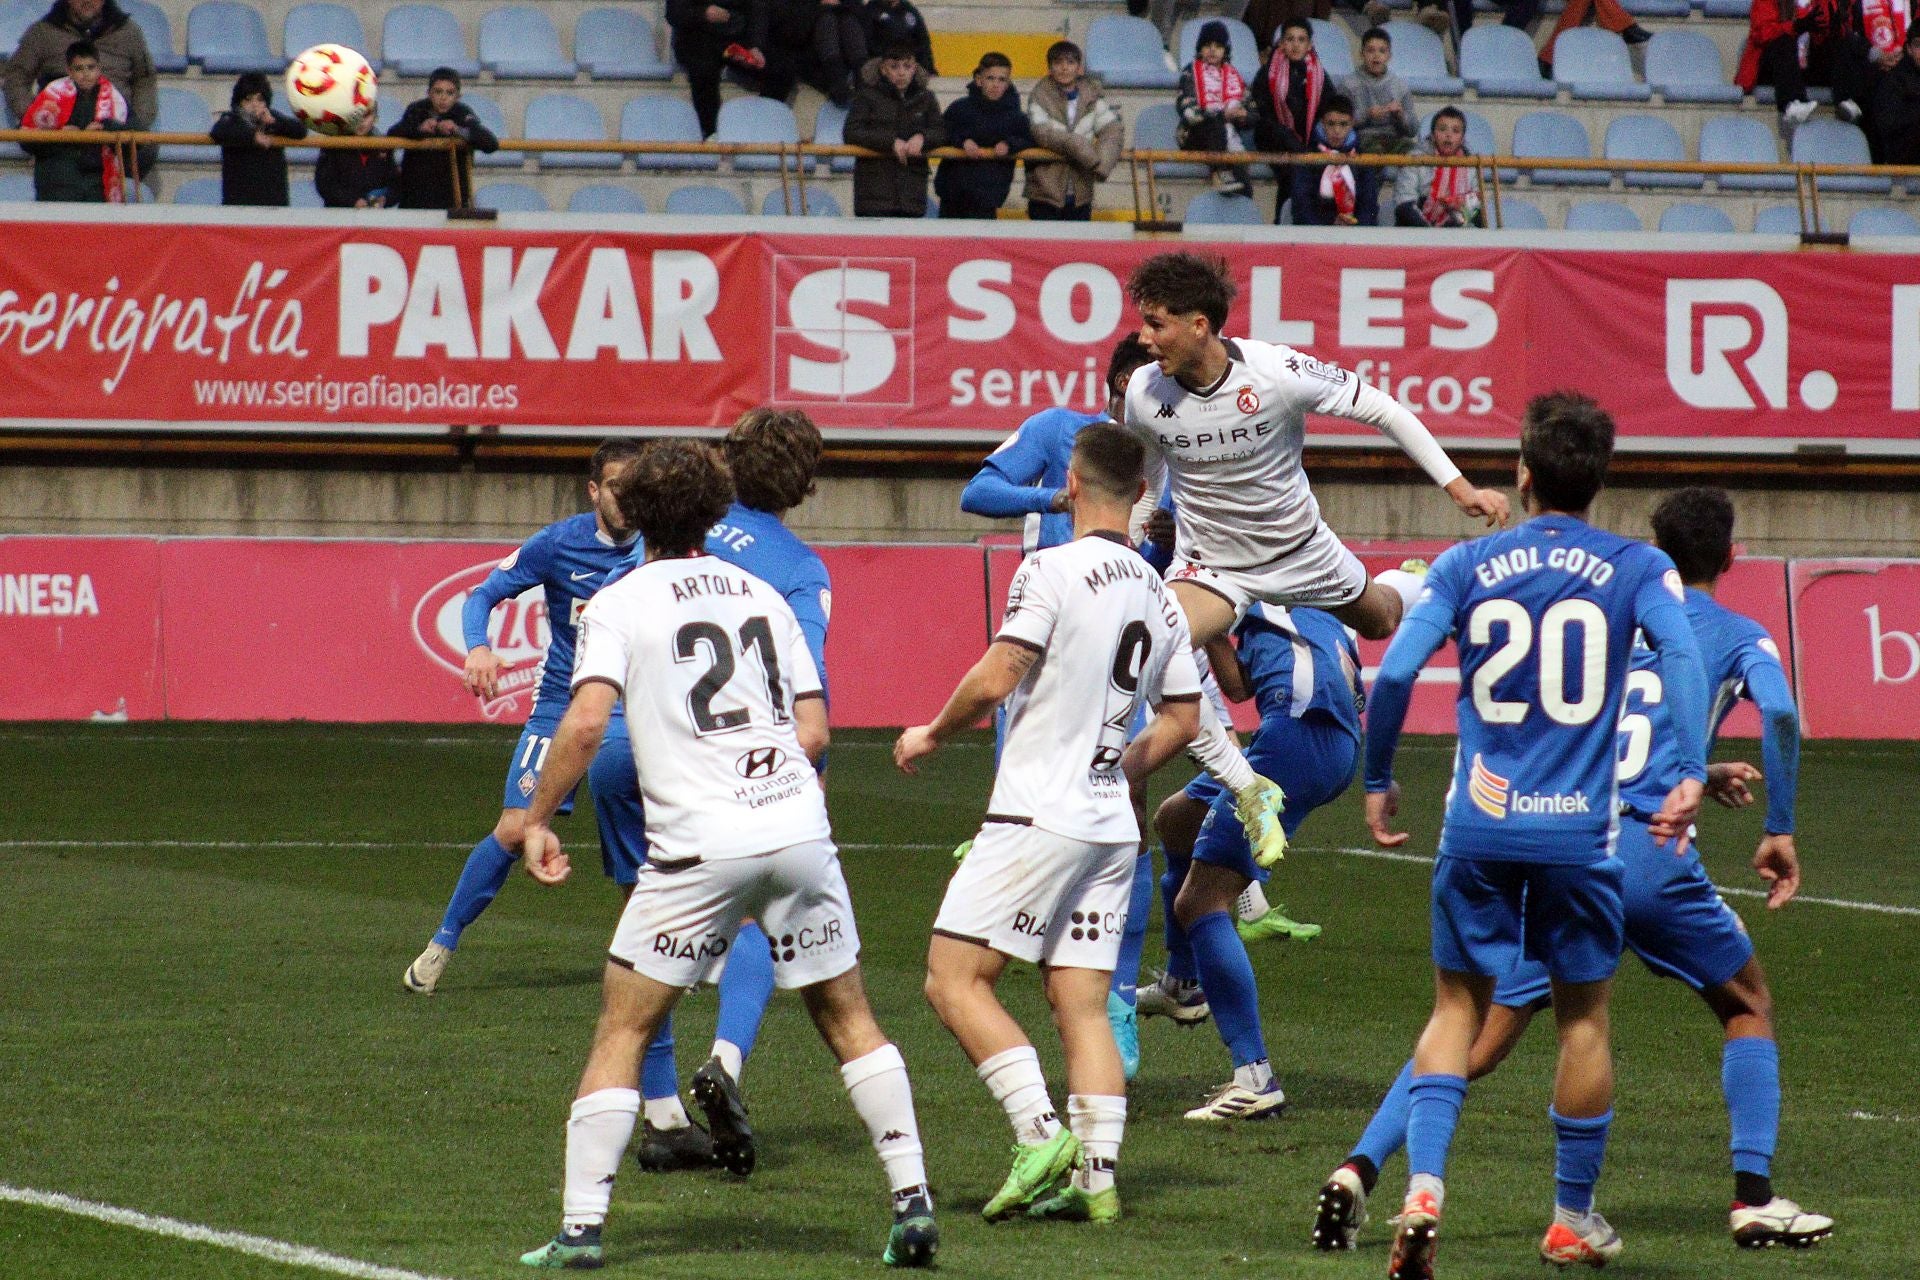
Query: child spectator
point(252, 170)
point(1794, 43)
point(1214, 115)
point(1440, 195)
point(1286, 100)
point(82, 99)
point(893, 111)
point(1896, 107)
point(897, 21)
point(1382, 103)
point(426, 178)
point(988, 121)
point(1336, 195)
point(1069, 117)
point(356, 179)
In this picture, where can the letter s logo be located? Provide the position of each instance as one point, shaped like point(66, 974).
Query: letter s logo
point(1726, 344)
point(817, 308)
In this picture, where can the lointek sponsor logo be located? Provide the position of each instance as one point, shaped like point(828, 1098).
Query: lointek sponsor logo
point(516, 631)
point(1727, 348)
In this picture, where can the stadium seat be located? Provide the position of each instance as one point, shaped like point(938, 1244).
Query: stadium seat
point(1685, 66)
point(388, 111)
point(1763, 94)
point(663, 117)
point(510, 197)
point(1127, 54)
point(1778, 220)
point(321, 23)
point(1246, 54)
point(1603, 215)
point(1649, 138)
point(1549, 133)
point(1703, 219)
point(1519, 215)
point(199, 191)
point(1879, 221)
point(302, 194)
point(496, 120)
point(830, 130)
point(1334, 45)
point(154, 25)
point(1499, 61)
point(568, 117)
point(1211, 209)
point(618, 44)
point(820, 204)
point(9, 150)
point(140, 192)
point(1421, 59)
point(1740, 9)
point(16, 188)
point(15, 17)
point(224, 38)
point(1731, 139)
point(1834, 142)
point(756, 120)
point(1594, 64)
point(416, 38)
point(519, 43)
point(706, 202)
point(606, 197)
point(1658, 8)
point(1156, 128)
point(183, 111)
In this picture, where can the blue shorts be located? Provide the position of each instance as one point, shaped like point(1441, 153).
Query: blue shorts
point(1488, 915)
point(1312, 759)
point(617, 808)
point(523, 769)
point(1676, 922)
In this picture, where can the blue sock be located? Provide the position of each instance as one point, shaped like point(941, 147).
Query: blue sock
point(1386, 1133)
point(1578, 1148)
point(1226, 975)
point(1180, 966)
point(659, 1077)
point(1750, 1078)
point(1133, 939)
point(486, 870)
point(1433, 1112)
point(745, 987)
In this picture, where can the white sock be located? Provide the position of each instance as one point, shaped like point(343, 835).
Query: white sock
point(1255, 1075)
point(665, 1113)
point(1403, 584)
point(730, 1057)
point(1252, 903)
point(1013, 1077)
point(1099, 1121)
point(1427, 1182)
point(882, 1095)
point(597, 1134)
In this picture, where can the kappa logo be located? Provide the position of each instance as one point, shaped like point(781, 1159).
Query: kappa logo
point(761, 762)
point(1490, 791)
point(1166, 410)
point(1249, 403)
point(892, 1135)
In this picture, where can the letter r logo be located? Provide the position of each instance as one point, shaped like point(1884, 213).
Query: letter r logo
point(1726, 344)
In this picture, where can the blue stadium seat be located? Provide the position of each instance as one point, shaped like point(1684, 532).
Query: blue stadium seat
point(16, 188)
point(568, 117)
point(1740, 9)
point(519, 43)
point(830, 130)
point(1732, 139)
point(9, 150)
point(1334, 45)
point(820, 204)
point(663, 117)
point(1834, 142)
point(1763, 94)
point(1421, 59)
point(1550, 133)
point(200, 191)
point(605, 197)
point(387, 113)
point(1127, 54)
point(1705, 219)
point(183, 111)
point(1658, 8)
point(1649, 138)
point(706, 202)
point(1245, 56)
point(1500, 62)
point(225, 38)
point(416, 38)
point(15, 17)
point(302, 194)
point(618, 44)
point(756, 120)
point(1602, 215)
point(510, 197)
point(496, 120)
point(1879, 221)
point(1211, 209)
point(1778, 220)
point(1593, 63)
point(1519, 215)
point(1685, 66)
point(140, 192)
point(1156, 128)
point(321, 23)
point(154, 25)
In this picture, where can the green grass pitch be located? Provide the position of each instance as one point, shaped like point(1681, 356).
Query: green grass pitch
point(204, 928)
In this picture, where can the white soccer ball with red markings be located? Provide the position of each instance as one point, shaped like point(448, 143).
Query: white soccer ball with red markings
point(332, 88)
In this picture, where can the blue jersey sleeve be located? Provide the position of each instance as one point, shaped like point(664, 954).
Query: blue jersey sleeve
point(524, 568)
point(1153, 552)
point(1780, 735)
point(1660, 615)
point(1420, 636)
point(808, 598)
point(1006, 485)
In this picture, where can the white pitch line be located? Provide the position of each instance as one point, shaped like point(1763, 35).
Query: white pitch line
point(293, 1255)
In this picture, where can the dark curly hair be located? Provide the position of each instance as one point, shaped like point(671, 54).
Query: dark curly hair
point(673, 493)
point(773, 454)
point(1695, 527)
point(1566, 440)
point(1185, 284)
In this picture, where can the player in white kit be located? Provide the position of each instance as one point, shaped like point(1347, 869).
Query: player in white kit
point(1089, 634)
point(728, 718)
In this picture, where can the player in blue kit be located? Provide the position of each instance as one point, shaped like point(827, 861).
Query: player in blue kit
point(1675, 921)
point(570, 559)
point(1303, 669)
point(1544, 616)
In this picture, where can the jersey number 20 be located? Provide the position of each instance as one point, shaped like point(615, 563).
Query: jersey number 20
point(1513, 616)
point(708, 640)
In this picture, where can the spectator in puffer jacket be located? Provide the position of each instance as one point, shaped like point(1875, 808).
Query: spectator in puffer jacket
point(896, 114)
point(988, 121)
point(1069, 116)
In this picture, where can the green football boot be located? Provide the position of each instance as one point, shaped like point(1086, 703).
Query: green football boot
point(573, 1250)
point(1035, 1171)
point(1275, 924)
point(1071, 1204)
point(1259, 808)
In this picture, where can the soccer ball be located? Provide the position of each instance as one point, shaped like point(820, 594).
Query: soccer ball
point(331, 87)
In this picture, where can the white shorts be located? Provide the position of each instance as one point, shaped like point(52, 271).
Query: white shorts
point(1039, 897)
point(1318, 574)
point(681, 920)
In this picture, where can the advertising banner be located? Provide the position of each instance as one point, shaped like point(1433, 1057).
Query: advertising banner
point(1856, 642)
point(80, 624)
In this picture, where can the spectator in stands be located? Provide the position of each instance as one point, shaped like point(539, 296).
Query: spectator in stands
point(86, 101)
point(898, 22)
point(987, 122)
point(1794, 43)
point(836, 46)
point(1431, 195)
point(1267, 18)
point(707, 35)
point(356, 179)
point(1286, 100)
point(1896, 107)
point(1336, 195)
point(1215, 110)
point(1608, 14)
point(893, 112)
point(1431, 14)
point(1382, 103)
point(1869, 51)
point(252, 170)
point(117, 40)
point(1071, 118)
point(426, 178)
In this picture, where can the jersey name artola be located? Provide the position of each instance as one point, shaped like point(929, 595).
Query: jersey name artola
point(710, 662)
point(1109, 638)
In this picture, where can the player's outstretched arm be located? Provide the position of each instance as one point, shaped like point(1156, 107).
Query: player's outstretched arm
point(572, 752)
point(1419, 638)
point(1008, 484)
point(1004, 665)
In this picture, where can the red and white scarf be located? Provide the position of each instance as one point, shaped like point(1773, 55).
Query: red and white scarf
point(1446, 194)
point(1336, 184)
point(1887, 23)
point(1218, 88)
point(54, 107)
point(1279, 75)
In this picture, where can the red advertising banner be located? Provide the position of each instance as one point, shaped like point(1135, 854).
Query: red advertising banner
point(80, 624)
point(885, 335)
point(1856, 640)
